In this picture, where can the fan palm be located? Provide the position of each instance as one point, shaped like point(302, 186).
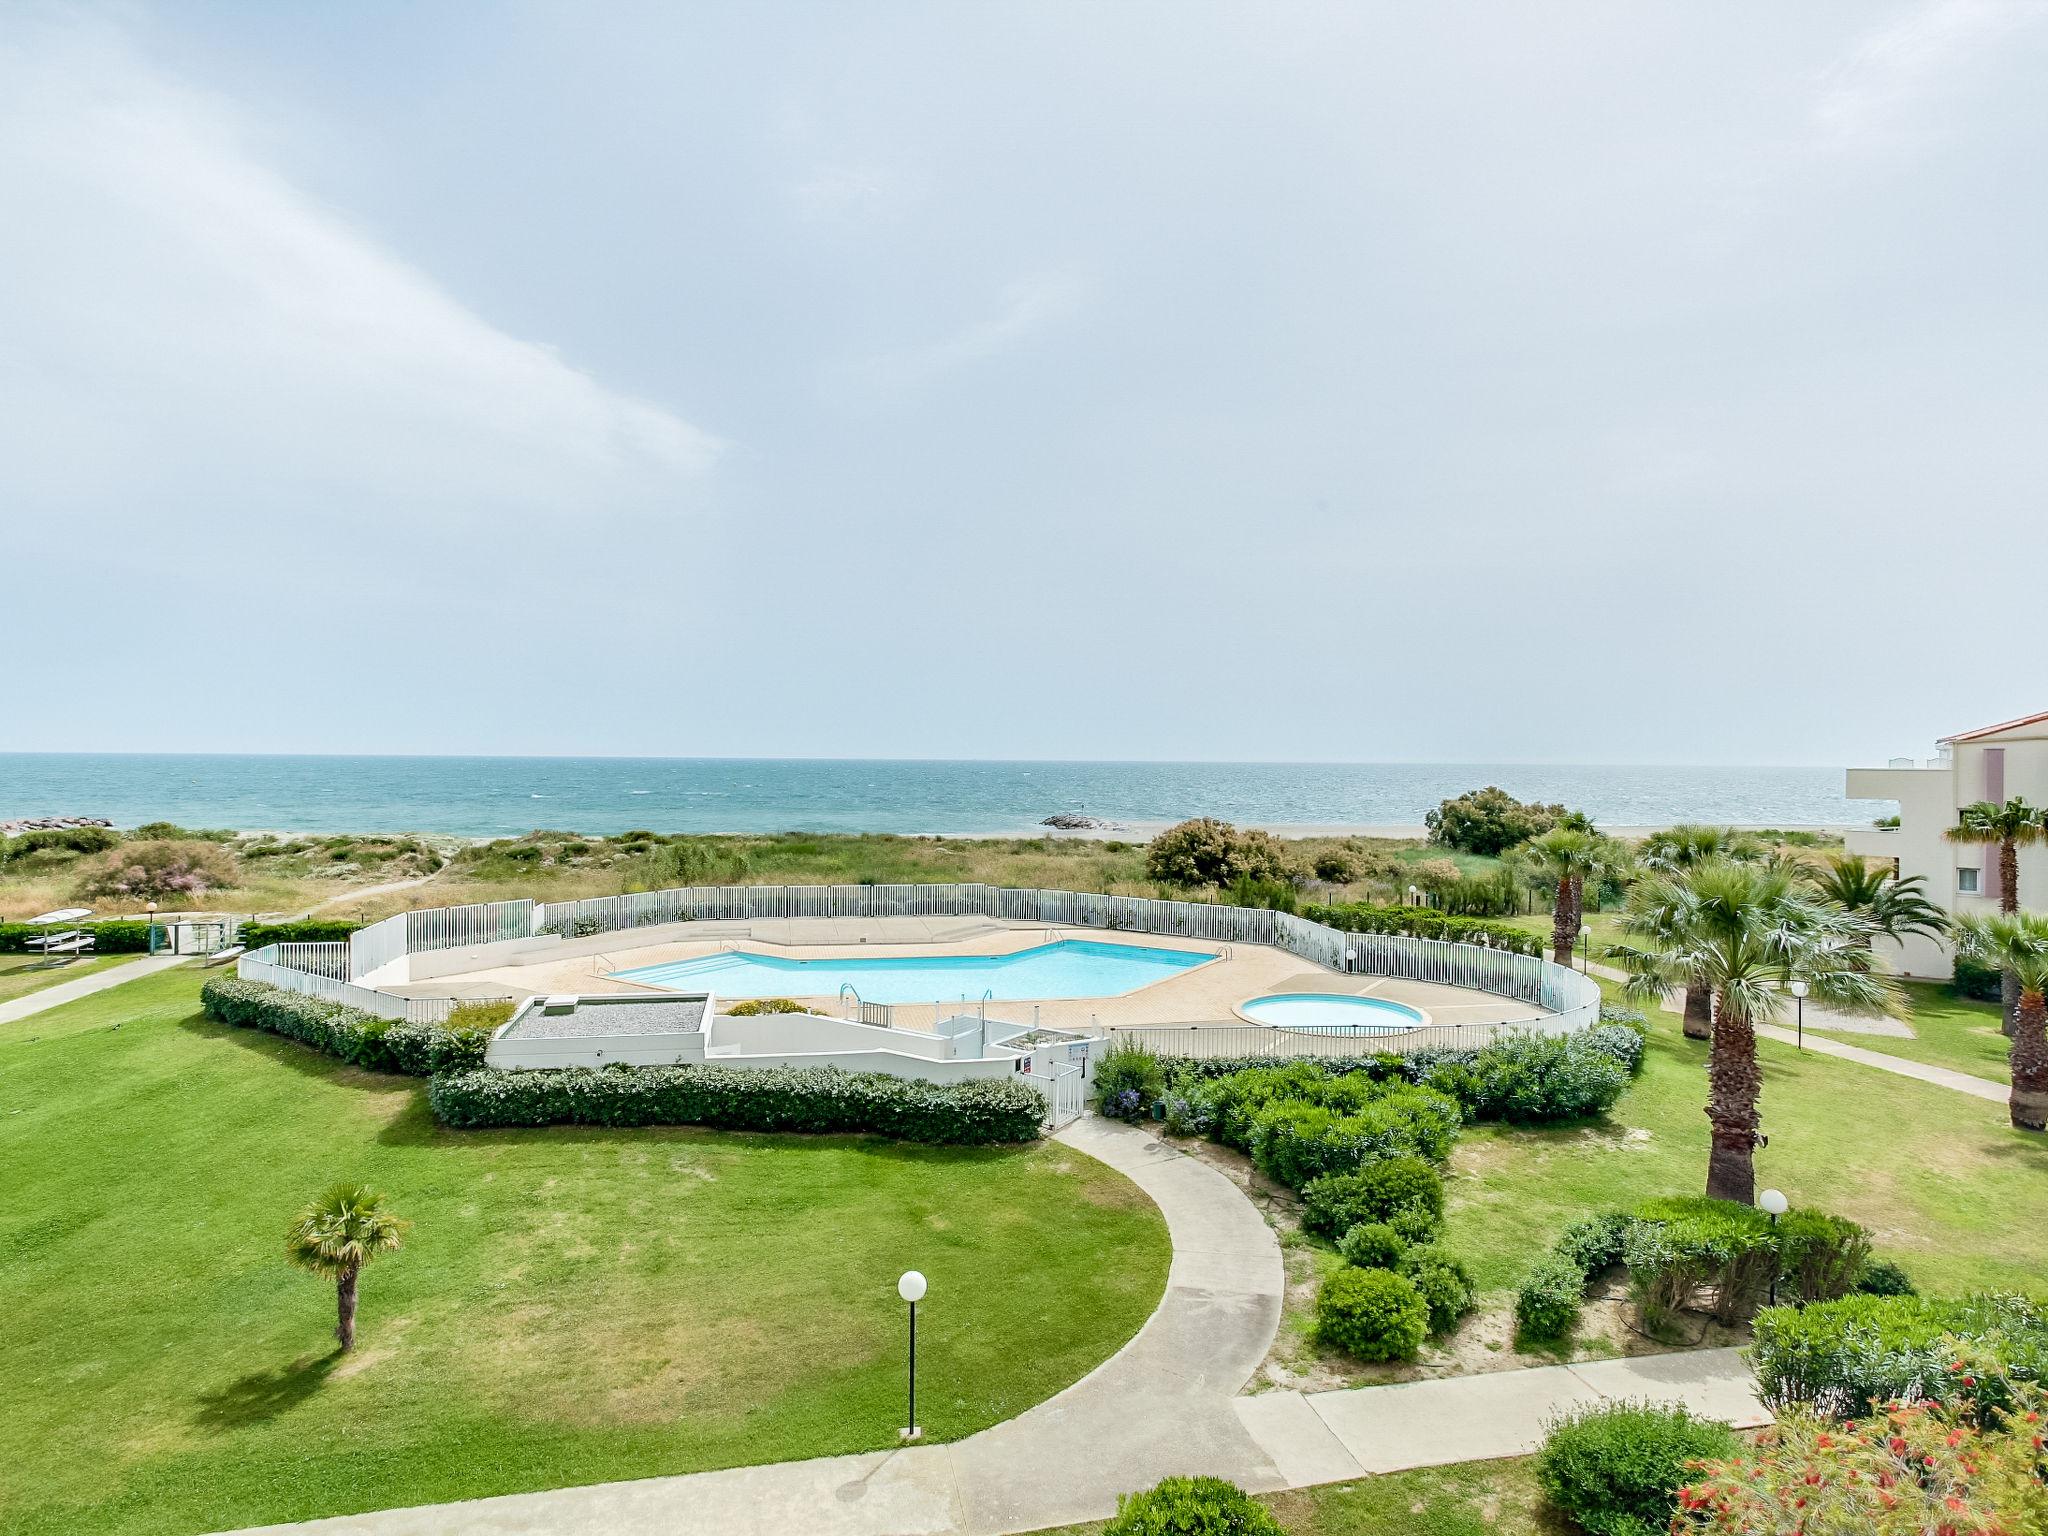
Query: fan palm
point(1687, 846)
point(1565, 857)
point(1744, 931)
point(1894, 905)
point(2018, 945)
point(2012, 826)
point(335, 1237)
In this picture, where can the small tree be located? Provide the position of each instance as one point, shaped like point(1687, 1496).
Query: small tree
point(1489, 821)
point(1567, 857)
point(2011, 826)
point(1206, 851)
point(335, 1237)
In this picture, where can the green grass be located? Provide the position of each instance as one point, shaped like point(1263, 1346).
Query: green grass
point(1472, 1498)
point(1937, 1176)
point(23, 974)
point(1949, 1031)
point(571, 1305)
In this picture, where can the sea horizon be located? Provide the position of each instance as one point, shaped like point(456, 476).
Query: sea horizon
point(503, 796)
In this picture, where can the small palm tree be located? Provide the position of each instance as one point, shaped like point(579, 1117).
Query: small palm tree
point(1745, 931)
point(2012, 826)
point(1565, 857)
point(2018, 945)
point(1676, 850)
point(1894, 905)
point(335, 1237)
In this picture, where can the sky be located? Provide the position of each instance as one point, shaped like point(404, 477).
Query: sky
point(1567, 383)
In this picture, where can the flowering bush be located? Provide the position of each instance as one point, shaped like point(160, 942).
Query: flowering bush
point(155, 870)
point(1916, 1468)
point(1128, 1080)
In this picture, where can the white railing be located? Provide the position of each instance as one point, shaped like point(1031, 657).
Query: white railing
point(372, 948)
point(329, 959)
point(1258, 1040)
point(263, 965)
point(485, 922)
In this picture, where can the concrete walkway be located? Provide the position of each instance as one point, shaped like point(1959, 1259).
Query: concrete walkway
point(71, 991)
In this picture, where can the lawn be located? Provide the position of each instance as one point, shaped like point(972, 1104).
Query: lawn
point(1949, 1031)
point(571, 1305)
point(1937, 1176)
point(23, 974)
point(1473, 1498)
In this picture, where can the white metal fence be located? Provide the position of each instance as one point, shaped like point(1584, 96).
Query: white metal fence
point(1253, 1040)
point(265, 965)
point(485, 922)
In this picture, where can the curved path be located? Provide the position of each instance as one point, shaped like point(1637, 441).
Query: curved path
point(1163, 1404)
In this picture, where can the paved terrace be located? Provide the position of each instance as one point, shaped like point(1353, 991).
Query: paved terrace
point(1206, 994)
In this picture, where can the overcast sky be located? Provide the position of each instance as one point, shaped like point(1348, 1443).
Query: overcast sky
point(1569, 383)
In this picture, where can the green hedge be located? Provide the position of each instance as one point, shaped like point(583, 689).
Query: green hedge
point(1373, 1314)
point(1616, 1468)
point(1191, 1506)
point(815, 1099)
point(1844, 1356)
point(349, 1034)
point(1421, 923)
point(310, 931)
point(114, 938)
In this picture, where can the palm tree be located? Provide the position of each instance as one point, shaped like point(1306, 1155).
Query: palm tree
point(1565, 857)
point(335, 1237)
point(1894, 905)
point(1745, 931)
point(2013, 826)
point(2018, 945)
point(1687, 846)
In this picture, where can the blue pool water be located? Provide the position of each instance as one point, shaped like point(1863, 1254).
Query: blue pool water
point(1327, 1013)
point(1068, 968)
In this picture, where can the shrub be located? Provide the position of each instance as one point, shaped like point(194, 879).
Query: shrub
point(1619, 1041)
point(1206, 851)
point(170, 831)
point(1820, 1257)
point(980, 1112)
point(1372, 1245)
point(754, 1006)
point(1844, 1356)
point(1294, 1142)
point(1420, 923)
point(63, 840)
point(1373, 1314)
point(1548, 1303)
point(1415, 1224)
point(1674, 1247)
point(1881, 1277)
point(1913, 1469)
point(307, 931)
point(349, 1034)
point(1339, 866)
point(1128, 1081)
point(1488, 821)
point(1977, 981)
point(1375, 1193)
point(108, 938)
point(1592, 1243)
point(1534, 1079)
point(155, 870)
point(1191, 1506)
point(1443, 1281)
point(1616, 1468)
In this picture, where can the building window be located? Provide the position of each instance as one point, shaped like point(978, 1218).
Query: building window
point(1966, 882)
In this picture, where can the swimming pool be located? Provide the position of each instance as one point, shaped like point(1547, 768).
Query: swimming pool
point(1332, 1013)
point(1066, 968)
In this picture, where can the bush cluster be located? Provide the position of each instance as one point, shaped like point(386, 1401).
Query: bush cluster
point(1532, 1079)
point(1372, 1245)
point(61, 840)
point(1293, 1142)
point(1977, 981)
point(1191, 1506)
point(1674, 1247)
point(108, 938)
point(815, 1099)
point(1548, 1303)
point(170, 869)
point(1616, 1468)
point(1381, 1193)
point(1846, 1355)
point(1488, 821)
point(1374, 1314)
point(348, 1034)
point(1420, 923)
point(1443, 1282)
point(1128, 1081)
point(1206, 851)
point(754, 1006)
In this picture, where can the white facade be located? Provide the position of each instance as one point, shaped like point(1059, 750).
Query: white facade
point(1994, 763)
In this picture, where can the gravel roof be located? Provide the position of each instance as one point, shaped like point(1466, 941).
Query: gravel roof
point(628, 1016)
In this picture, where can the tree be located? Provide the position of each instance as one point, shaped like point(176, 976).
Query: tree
point(2018, 945)
point(1683, 847)
point(1893, 905)
point(335, 1237)
point(1488, 821)
point(2012, 826)
point(1206, 851)
point(1746, 931)
point(1566, 857)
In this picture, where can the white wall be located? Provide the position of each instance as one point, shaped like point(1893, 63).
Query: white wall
point(674, 1048)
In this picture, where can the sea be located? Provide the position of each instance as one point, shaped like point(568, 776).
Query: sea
point(507, 796)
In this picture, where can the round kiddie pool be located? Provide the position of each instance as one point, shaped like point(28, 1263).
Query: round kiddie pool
point(1332, 1013)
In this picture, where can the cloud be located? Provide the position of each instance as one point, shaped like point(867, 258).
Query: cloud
point(184, 324)
point(1867, 93)
point(1022, 310)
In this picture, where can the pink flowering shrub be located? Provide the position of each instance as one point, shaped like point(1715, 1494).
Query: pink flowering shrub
point(161, 870)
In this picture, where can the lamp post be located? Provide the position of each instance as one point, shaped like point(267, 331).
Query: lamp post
point(911, 1289)
point(1799, 998)
point(1774, 1205)
point(1586, 949)
point(152, 926)
point(1414, 895)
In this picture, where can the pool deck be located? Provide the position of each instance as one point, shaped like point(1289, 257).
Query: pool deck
point(1204, 994)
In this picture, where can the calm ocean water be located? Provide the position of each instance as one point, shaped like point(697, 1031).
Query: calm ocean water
point(505, 796)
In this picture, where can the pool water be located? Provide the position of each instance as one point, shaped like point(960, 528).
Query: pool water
point(1332, 1013)
point(1067, 968)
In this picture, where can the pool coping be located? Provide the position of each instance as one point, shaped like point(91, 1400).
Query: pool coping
point(1424, 1018)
